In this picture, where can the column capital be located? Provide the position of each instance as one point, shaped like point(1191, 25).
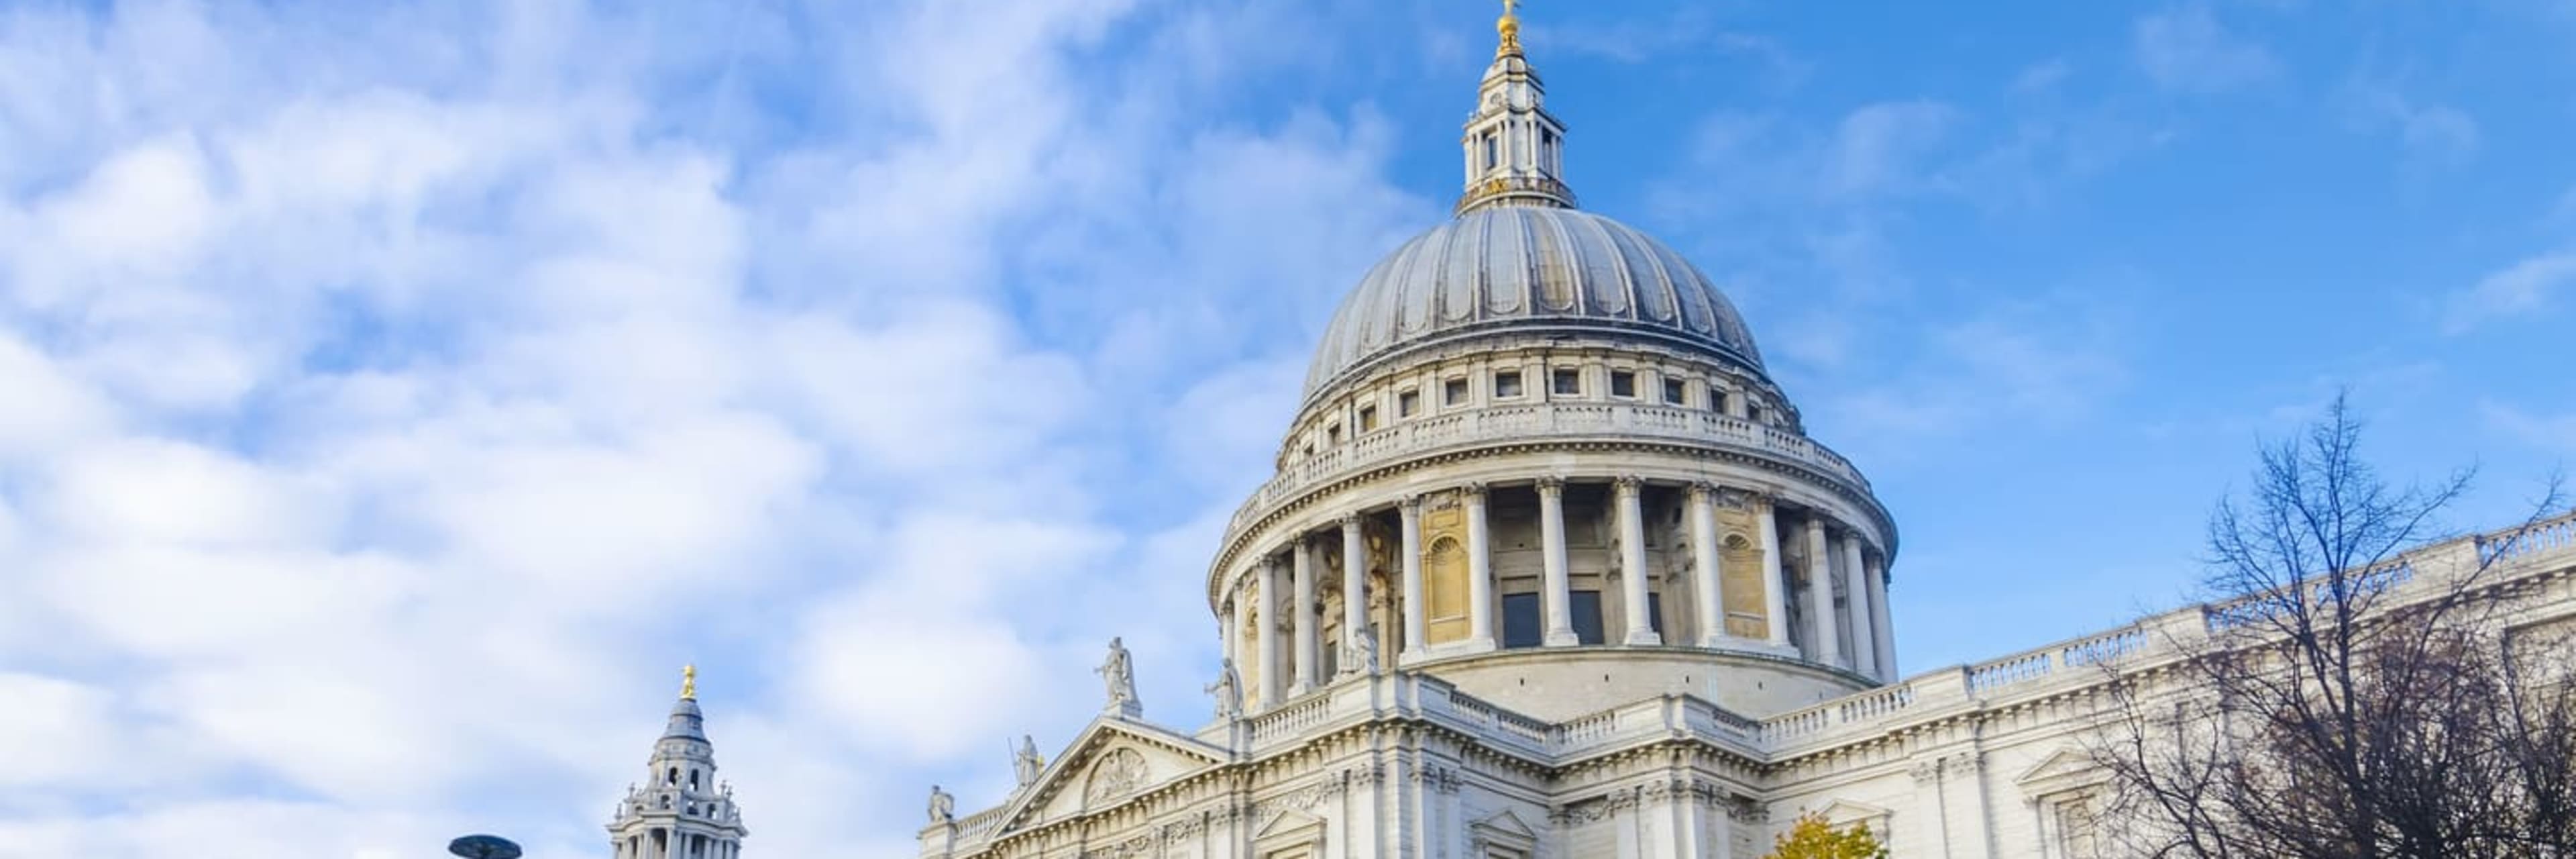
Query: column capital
point(1351, 519)
point(1551, 484)
point(1472, 489)
point(1702, 490)
point(1410, 504)
point(1629, 482)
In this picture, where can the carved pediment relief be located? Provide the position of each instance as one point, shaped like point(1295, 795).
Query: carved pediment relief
point(1109, 763)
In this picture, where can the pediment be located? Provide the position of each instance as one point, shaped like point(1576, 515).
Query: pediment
point(1844, 812)
point(1289, 829)
point(1504, 829)
point(1109, 763)
point(2063, 770)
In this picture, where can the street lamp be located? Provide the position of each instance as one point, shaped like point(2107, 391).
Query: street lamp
point(484, 847)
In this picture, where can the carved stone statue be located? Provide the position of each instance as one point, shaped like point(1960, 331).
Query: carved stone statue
point(943, 807)
point(1228, 691)
point(1364, 649)
point(1118, 674)
point(1025, 761)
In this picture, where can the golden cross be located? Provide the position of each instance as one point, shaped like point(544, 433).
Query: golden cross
point(1509, 6)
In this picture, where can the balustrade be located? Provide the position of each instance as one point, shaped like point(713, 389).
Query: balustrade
point(1418, 436)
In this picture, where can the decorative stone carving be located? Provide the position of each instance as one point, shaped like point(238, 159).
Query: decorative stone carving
point(1026, 763)
point(1118, 674)
point(943, 808)
point(1117, 774)
point(1228, 691)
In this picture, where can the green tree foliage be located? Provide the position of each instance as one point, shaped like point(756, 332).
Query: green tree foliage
point(1812, 838)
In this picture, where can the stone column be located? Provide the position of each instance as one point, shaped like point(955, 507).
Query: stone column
point(1632, 562)
point(1265, 636)
point(1856, 588)
point(1302, 616)
point(1775, 584)
point(1410, 510)
point(1480, 572)
point(1886, 635)
point(1354, 593)
point(1557, 596)
point(1820, 595)
point(1705, 580)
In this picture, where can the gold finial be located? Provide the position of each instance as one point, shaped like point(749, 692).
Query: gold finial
point(1509, 27)
point(689, 682)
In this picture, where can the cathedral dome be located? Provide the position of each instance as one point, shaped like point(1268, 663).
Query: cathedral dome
point(1529, 270)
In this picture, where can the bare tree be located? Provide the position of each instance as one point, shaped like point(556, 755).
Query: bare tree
point(2344, 702)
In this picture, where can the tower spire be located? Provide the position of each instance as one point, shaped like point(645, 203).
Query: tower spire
point(681, 811)
point(1514, 147)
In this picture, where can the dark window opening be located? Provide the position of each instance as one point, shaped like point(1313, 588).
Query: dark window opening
point(1717, 401)
point(1492, 158)
point(1368, 418)
point(1521, 626)
point(1507, 383)
point(1453, 392)
point(1568, 381)
point(1655, 612)
point(1672, 392)
point(1623, 383)
point(1586, 608)
point(1407, 403)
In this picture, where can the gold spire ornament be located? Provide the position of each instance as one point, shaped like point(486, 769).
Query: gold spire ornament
point(1509, 27)
point(689, 682)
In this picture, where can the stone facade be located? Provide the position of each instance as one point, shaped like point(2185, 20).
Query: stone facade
point(1550, 569)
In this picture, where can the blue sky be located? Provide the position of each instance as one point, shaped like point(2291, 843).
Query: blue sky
point(393, 397)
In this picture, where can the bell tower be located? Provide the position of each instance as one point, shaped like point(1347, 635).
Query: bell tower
point(1515, 149)
point(680, 812)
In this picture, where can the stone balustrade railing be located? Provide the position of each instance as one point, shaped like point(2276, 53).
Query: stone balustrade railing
point(1420, 436)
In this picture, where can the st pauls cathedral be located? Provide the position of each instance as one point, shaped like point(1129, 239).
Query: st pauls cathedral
point(1550, 568)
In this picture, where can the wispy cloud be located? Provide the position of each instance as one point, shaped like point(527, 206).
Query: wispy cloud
point(2527, 286)
point(2185, 49)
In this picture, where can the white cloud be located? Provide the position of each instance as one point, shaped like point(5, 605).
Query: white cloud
point(393, 397)
point(2185, 49)
point(2526, 286)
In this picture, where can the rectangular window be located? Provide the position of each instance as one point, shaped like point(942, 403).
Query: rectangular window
point(1368, 418)
point(1568, 381)
point(1492, 152)
point(1586, 608)
point(1623, 383)
point(1655, 612)
point(1507, 383)
point(1453, 392)
point(1407, 403)
point(1672, 392)
point(1547, 148)
point(1520, 620)
point(1717, 400)
point(1333, 434)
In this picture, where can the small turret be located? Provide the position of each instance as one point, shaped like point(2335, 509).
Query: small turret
point(680, 812)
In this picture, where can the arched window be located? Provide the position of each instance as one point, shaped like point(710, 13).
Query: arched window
point(672, 777)
point(1445, 578)
point(693, 779)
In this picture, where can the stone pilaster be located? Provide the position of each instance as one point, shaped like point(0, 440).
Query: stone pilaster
point(1705, 579)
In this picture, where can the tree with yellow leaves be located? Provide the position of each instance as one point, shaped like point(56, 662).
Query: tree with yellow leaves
point(1812, 838)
